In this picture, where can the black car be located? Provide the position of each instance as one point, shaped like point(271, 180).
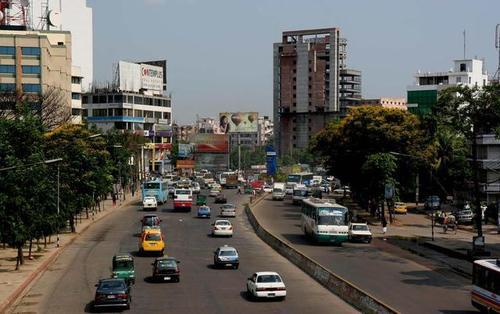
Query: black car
point(112, 292)
point(220, 199)
point(166, 269)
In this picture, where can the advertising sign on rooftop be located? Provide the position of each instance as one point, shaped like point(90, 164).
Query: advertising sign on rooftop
point(238, 122)
point(136, 76)
point(211, 143)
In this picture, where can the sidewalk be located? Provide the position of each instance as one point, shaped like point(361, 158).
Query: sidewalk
point(13, 283)
point(414, 233)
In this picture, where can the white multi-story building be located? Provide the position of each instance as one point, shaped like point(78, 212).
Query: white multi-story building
point(208, 125)
point(422, 96)
point(266, 130)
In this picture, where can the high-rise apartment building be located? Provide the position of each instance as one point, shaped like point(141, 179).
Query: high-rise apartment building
point(307, 85)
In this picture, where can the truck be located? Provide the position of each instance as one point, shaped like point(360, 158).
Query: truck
point(279, 191)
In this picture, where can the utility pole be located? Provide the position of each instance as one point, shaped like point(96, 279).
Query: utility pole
point(58, 209)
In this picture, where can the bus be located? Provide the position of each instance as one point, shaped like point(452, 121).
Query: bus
point(223, 176)
point(157, 188)
point(299, 178)
point(183, 199)
point(485, 294)
point(300, 192)
point(324, 221)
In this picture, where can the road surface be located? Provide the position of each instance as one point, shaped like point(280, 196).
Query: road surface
point(68, 285)
point(408, 283)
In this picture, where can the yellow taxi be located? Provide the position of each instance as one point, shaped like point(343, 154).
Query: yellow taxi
point(152, 242)
point(400, 208)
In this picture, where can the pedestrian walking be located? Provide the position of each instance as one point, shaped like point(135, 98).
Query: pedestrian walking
point(384, 228)
point(113, 196)
point(239, 189)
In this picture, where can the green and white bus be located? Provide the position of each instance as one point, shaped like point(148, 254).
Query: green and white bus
point(324, 221)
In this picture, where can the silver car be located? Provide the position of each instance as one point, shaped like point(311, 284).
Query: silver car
point(228, 210)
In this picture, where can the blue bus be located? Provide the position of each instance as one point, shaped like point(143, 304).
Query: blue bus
point(157, 188)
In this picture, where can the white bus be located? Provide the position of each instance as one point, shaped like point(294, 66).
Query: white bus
point(324, 221)
point(183, 198)
point(299, 178)
point(485, 294)
point(299, 193)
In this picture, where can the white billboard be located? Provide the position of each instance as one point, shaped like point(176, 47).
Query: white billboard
point(136, 76)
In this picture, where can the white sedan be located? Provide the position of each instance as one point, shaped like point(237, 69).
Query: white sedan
point(266, 285)
point(214, 192)
point(228, 210)
point(149, 202)
point(222, 227)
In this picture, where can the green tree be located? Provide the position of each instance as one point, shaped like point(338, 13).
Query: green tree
point(470, 112)
point(345, 146)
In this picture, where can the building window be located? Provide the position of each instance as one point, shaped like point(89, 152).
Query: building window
point(31, 69)
point(119, 98)
point(137, 100)
point(32, 88)
point(463, 67)
point(459, 79)
point(76, 96)
point(76, 111)
point(4, 50)
point(76, 80)
point(7, 87)
point(85, 99)
point(100, 112)
point(31, 51)
point(7, 69)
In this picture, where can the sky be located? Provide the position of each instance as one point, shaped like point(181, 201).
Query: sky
point(219, 52)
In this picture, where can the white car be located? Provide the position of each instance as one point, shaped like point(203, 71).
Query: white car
point(195, 186)
point(228, 210)
point(149, 202)
point(267, 188)
point(266, 285)
point(359, 232)
point(222, 227)
point(214, 192)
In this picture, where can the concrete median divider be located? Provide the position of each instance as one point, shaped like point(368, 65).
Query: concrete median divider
point(341, 287)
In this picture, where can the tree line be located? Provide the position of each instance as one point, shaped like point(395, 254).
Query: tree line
point(374, 146)
point(92, 164)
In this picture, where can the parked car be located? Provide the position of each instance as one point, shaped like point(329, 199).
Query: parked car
point(432, 202)
point(123, 267)
point(149, 202)
point(226, 256)
point(112, 292)
point(203, 212)
point(222, 227)
point(228, 210)
point(166, 268)
point(400, 208)
point(464, 216)
point(220, 199)
point(266, 285)
point(359, 232)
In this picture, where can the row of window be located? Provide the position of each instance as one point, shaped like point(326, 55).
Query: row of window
point(27, 69)
point(129, 99)
point(27, 88)
point(130, 113)
point(27, 51)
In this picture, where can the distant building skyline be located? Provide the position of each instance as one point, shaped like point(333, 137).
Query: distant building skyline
point(228, 66)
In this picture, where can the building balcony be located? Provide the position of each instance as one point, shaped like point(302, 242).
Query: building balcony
point(490, 164)
point(490, 188)
point(116, 119)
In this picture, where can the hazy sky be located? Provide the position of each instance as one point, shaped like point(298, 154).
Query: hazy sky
point(219, 52)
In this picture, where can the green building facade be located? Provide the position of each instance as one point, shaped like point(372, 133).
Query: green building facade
point(424, 99)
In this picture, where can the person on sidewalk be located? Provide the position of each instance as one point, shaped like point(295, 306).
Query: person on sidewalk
point(384, 227)
point(113, 196)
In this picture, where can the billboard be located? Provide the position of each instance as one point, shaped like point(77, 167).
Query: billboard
point(136, 76)
point(214, 162)
point(163, 65)
point(185, 150)
point(238, 122)
point(211, 143)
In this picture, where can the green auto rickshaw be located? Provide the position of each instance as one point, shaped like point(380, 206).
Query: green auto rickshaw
point(248, 189)
point(201, 200)
point(123, 267)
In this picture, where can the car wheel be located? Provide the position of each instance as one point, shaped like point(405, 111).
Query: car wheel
point(236, 266)
point(177, 279)
point(283, 298)
point(128, 306)
point(250, 295)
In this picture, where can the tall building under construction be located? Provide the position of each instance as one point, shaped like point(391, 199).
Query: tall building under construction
point(312, 85)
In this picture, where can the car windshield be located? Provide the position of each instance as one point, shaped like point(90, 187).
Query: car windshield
point(277, 190)
point(150, 221)
point(293, 178)
point(151, 185)
point(300, 192)
point(228, 206)
point(182, 192)
point(203, 209)
point(228, 253)
point(360, 227)
point(153, 237)
point(112, 285)
point(268, 278)
point(149, 199)
point(222, 223)
point(167, 263)
point(123, 264)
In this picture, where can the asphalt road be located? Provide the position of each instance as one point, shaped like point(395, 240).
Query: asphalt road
point(68, 285)
point(406, 282)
